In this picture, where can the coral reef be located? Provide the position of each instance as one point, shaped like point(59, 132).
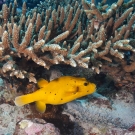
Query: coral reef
point(114, 30)
point(78, 38)
point(40, 37)
point(113, 113)
point(80, 34)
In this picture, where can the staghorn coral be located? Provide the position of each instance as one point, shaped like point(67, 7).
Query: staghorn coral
point(80, 34)
point(42, 38)
point(113, 26)
point(110, 31)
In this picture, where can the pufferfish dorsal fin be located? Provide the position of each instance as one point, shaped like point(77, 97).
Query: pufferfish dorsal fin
point(42, 83)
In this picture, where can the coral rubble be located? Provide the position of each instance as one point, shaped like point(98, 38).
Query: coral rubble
point(29, 127)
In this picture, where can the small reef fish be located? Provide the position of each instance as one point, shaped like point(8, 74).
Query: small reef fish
point(58, 91)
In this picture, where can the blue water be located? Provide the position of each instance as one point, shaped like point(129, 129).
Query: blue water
point(108, 1)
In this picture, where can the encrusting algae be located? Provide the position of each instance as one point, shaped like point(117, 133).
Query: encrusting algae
point(58, 91)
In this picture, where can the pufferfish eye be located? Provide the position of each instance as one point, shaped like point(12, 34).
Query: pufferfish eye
point(85, 84)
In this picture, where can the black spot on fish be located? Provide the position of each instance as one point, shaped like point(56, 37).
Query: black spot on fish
point(45, 92)
point(85, 84)
point(87, 91)
point(55, 94)
point(50, 92)
point(61, 99)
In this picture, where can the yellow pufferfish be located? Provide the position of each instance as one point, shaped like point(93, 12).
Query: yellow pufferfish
point(58, 91)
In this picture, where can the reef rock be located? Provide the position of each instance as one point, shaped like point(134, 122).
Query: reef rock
point(101, 116)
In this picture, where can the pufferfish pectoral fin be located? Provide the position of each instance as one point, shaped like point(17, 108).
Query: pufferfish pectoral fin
point(42, 83)
point(40, 106)
point(72, 91)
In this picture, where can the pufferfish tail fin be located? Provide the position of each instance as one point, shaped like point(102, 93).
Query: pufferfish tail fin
point(22, 100)
point(29, 98)
point(40, 106)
